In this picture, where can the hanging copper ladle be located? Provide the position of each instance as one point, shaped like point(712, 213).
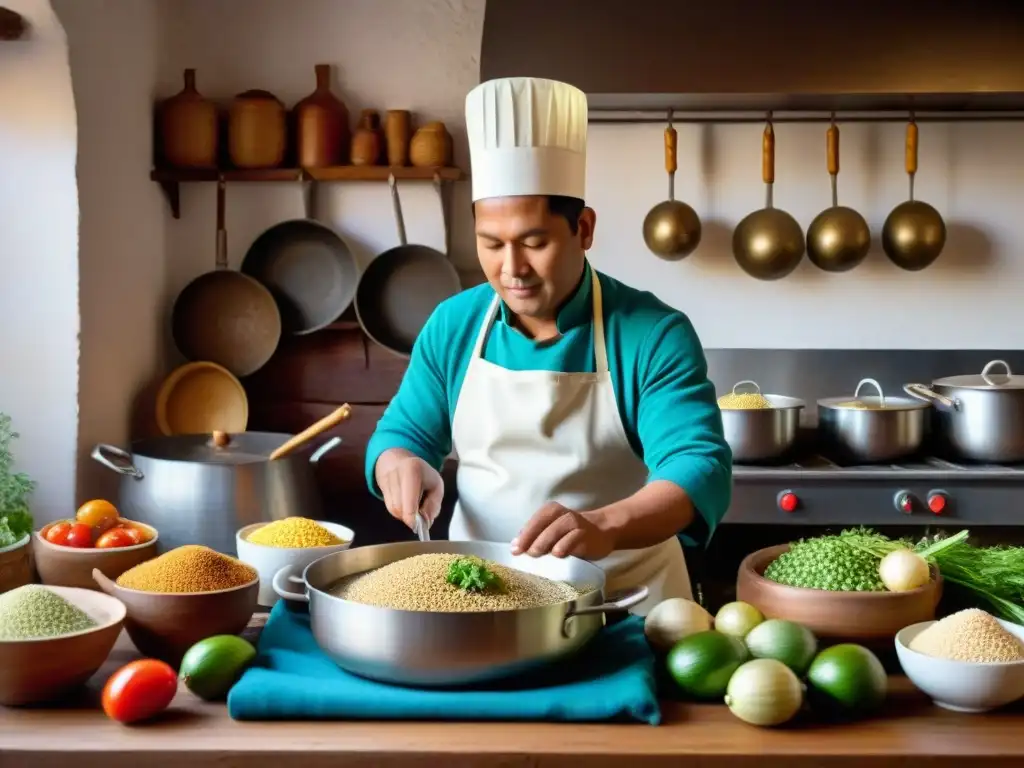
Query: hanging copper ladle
point(838, 238)
point(672, 228)
point(914, 234)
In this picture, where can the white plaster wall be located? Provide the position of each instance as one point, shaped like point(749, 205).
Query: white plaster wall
point(39, 255)
point(423, 55)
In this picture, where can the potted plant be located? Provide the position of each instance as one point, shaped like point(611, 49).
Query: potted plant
point(15, 518)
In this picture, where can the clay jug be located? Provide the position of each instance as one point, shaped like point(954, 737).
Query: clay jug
point(321, 125)
point(257, 130)
point(188, 128)
point(368, 140)
point(431, 146)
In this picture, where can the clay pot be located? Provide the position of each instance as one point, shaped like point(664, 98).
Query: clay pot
point(431, 146)
point(322, 132)
point(16, 565)
point(72, 567)
point(368, 140)
point(257, 130)
point(188, 128)
point(869, 618)
point(397, 133)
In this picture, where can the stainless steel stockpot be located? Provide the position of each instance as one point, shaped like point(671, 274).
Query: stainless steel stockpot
point(978, 417)
point(428, 649)
point(873, 428)
point(762, 434)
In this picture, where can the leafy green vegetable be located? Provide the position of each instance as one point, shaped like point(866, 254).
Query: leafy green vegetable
point(471, 574)
point(15, 489)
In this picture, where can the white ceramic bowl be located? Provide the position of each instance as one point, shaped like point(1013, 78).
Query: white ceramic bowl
point(961, 686)
point(269, 560)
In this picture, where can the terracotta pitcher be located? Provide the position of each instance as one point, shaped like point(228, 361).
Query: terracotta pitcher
point(257, 130)
point(368, 140)
point(188, 128)
point(321, 125)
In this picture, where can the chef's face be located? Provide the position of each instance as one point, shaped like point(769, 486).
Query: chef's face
point(532, 255)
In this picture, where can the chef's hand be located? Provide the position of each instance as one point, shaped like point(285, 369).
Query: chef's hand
point(410, 486)
point(560, 531)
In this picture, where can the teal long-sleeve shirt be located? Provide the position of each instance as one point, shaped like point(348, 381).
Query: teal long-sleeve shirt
point(659, 372)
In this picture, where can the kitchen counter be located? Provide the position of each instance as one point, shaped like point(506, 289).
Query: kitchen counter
point(201, 735)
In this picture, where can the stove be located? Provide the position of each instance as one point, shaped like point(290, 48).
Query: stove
point(815, 491)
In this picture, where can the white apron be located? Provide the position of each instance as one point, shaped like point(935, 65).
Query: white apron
point(524, 438)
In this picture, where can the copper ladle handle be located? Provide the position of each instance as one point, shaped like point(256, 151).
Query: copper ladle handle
point(911, 153)
point(671, 159)
point(329, 421)
point(832, 152)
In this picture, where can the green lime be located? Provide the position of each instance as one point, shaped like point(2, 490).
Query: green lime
point(212, 666)
point(786, 641)
point(847, 679)
point(702, 663)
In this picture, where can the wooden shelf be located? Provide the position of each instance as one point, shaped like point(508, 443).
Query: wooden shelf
point(170, 179)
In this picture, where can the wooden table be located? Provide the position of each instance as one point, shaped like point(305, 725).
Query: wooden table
point(195, 734)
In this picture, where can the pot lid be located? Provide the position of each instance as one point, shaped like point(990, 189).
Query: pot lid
point(876, 402)
point(216, 448)
point(995, 375)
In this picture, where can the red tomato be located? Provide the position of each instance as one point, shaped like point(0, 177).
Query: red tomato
point(115, 537)
point(79, 536)
point(139, 690)
point(57, 533)
point(136, 534)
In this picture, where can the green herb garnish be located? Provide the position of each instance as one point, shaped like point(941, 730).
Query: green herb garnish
point(470, 574)
point(15, 488)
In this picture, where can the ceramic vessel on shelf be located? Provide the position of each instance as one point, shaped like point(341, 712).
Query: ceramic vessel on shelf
point(431, 146)
point(188, 128)
point(322, 134)
point(368, 140)
point(257, 130)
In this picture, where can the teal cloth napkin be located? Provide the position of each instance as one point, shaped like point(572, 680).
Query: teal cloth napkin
point(612, 679)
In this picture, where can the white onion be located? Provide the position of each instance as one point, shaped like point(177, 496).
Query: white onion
point(737, 619)
point(903, 570)
point(764, 692)
point(671, 620)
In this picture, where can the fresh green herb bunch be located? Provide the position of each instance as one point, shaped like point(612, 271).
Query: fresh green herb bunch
point(471, 574)
point(844, 563)
point(15, 489)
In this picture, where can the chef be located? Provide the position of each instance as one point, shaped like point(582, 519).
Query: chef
point(579, 408)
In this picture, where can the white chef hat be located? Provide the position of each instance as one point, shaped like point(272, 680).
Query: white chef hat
point(527, 136)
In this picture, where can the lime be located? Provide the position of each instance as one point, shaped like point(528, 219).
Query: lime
point(702, 663)
point(847, 679)
point(212, 666)
point(737, 618)
point(786, 641)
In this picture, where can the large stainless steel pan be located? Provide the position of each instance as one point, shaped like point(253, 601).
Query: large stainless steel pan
point(445, 649)
point(978, 417)
point(871, 428)
point(762, 434)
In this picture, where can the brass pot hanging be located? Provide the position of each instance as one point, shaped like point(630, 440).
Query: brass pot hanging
point(838, 238)
point(768, 244)
point(672, 229)
point(914, 234)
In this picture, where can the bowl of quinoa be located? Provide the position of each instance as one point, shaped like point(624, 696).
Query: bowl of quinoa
point(53, 639)
point(970, 661)
point(290, 541)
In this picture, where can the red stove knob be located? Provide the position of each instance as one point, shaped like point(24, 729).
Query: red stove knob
point(904, 502)
point(937, 502)
point(788, 502)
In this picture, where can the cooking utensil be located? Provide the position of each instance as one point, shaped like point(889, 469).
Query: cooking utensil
point(869, 618)
point(914, 233)
point(199, 397)
point(330, 421)
point(768, 244)
point(422, 528)
point(164, 625)
point(978, 417)
point(872, 428)
point(309, 269)
point(430, 649)
point(226, 317)
point(403, 286)
point(195, 492)
point(762, 434)
point(838, 238)
point(672, 229)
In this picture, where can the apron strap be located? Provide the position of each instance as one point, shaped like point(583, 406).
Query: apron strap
point(600, 351)
point(485, 326)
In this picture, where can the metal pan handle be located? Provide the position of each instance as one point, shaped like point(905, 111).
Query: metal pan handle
point(396, 203)
point(125, 467)
point(616, 603)
point(222, 233)
point(286, 576)
point(873, 383)
point(439, 189)
point(923, 393)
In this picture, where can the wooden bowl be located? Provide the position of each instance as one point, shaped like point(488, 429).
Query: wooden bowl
point(38, 671)
point(16, 565)
point(165, 625)
point(73, 567)
point(868, 618)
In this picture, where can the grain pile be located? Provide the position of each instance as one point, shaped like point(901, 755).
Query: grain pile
point(743, 401)
point(295, 533)
point(420, 584)
point(32, 612)
point(191, 568)
point(860, 405)
point(969, 635)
